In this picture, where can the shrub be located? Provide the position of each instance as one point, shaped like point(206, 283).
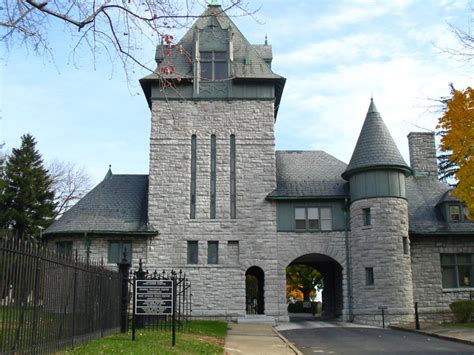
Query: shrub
point(462, 310)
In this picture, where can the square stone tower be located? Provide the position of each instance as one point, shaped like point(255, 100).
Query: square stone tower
point(214, 100)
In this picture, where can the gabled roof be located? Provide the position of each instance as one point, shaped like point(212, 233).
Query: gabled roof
point(423, 195)
point(308, 174)
point(248, 62)
point(117, 205)
point(375, 147)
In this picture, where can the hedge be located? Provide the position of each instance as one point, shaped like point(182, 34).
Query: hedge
point(462, 310)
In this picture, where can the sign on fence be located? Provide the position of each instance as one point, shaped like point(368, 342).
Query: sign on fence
point(154, 297)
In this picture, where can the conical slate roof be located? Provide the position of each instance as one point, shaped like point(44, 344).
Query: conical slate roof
point(375, 147)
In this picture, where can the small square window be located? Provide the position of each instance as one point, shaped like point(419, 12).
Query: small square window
point(369, 276)
point(455, 213)
point(367, 217)
point(64, 248)
point(405, 245)
point(213, 252)
point(117, 249)
point(192, 252)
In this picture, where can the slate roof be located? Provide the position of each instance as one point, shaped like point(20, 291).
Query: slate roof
point(375, 147)
point(424, 194)
point(118, 204)
point(308, 174)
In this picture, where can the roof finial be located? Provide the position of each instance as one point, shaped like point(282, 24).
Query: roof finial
point(109, 173)
point(372, 107)
point(266, 40)
point(214, 3)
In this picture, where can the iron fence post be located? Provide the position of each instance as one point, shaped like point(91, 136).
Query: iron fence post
point(36, 296)
point(74, 297)
point(417, 317)
point(124, 268)
point(139, 275)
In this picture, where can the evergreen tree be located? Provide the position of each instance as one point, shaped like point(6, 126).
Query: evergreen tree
point(26, 199)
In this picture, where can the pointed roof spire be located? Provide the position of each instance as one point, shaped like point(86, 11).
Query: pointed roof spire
point(266, 39)
point(372, 107)
point(109, 174)
point(375, 148)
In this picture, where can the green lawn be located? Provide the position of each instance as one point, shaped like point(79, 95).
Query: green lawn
point(200, 337)
point(462, 325)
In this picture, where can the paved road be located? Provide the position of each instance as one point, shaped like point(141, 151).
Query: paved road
point(346, 338)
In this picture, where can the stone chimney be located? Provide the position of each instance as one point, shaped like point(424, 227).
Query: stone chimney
point(423, 154)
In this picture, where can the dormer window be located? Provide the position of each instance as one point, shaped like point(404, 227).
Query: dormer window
point(458, 213)
point(213, 65)
point(455, 213)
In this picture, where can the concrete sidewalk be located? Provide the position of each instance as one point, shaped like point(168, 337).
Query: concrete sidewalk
point(244, 338)
point(448, 332)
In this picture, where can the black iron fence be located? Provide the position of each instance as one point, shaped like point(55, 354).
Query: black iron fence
point(50, 301)
point(183, 299)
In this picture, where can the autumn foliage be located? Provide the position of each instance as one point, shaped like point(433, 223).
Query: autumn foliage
point(457, 138)
point(301, 281)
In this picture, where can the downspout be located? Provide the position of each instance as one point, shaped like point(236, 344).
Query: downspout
point(348, 259)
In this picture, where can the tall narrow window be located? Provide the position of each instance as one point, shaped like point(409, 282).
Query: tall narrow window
point(233, 184)
point(367, 217)
point(193, 176)
point(213, 252)
point(233, 252)
point(213, 176)
point(192, 252)
point(369, 276)
point(405, 245)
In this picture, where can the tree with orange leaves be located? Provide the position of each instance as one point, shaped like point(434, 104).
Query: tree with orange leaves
point(456, 127)
point(301, 280)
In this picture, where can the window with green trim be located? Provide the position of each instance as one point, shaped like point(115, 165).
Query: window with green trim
point(313, 218)
point(458, 213)
point(457, 270)
point(213, 65)
point(116, 251)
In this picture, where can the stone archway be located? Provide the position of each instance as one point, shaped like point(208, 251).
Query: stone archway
point(331, 270)
point(254, 290)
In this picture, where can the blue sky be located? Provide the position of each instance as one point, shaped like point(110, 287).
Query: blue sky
point(335, 55)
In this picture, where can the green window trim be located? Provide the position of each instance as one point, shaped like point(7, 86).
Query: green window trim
point(213, 177)
point(457, 212)
point(116, 250)
point(313, 218)
point(457, 270)
point(214, 65)
point(192, 252)
point(192, 213)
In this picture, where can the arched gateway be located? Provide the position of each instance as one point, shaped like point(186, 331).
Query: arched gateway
point(254, 290)
point(331, 271)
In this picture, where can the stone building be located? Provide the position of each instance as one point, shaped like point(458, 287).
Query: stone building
point(220, 203)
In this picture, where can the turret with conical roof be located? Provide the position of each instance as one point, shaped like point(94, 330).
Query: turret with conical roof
point(376, 167)
point(375, 147)
point(379, 225)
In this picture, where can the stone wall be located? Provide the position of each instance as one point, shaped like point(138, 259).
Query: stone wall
point(423, 154)
point(380, 246)
point(433, 300)
point(292, 245)
point(99, 247)
point(217, 289)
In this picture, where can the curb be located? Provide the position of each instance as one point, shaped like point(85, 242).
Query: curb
point(287, 342)
point(434, 335)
